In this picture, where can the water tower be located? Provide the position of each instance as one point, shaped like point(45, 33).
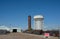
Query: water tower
point(38, 22)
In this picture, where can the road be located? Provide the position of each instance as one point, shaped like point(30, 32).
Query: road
point(23, 36)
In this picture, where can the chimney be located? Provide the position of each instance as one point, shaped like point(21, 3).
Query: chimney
point(29, 23)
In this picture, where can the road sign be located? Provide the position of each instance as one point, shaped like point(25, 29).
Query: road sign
point(46, 35)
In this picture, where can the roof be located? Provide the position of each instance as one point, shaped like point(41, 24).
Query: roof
point(8, 28)
point(4, 28)
point(16, 28)
point(38, 16)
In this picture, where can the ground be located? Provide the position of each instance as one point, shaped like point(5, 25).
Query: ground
point(23, 36)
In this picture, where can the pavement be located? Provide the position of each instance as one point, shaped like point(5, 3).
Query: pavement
point(24, 36)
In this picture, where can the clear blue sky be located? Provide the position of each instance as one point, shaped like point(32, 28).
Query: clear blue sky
point(15, 12)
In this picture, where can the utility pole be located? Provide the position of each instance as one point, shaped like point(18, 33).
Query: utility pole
point(58, 31)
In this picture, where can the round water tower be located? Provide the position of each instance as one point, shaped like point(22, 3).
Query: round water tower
point(38, 22)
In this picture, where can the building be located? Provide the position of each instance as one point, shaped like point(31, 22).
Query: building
point(38, 22)
point(5, 29)
point(15, 29)
point(29, 23)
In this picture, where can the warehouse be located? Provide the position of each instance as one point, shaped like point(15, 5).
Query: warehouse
point(15, 29)
point(5, 29)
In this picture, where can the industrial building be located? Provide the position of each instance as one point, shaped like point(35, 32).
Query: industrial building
point(5, 29)
point(38, 25)
point(38, 22)
point(15, 29)
point(29, 23)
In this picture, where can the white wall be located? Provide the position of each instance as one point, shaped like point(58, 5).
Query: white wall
point(18, 29)
point(38, 24)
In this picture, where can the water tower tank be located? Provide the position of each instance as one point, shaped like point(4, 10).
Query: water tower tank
point(38, 22)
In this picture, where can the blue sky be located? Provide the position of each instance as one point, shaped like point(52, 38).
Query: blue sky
point(16, 12)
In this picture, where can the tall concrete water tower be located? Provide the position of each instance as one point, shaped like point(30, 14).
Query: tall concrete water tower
point(38, 22)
